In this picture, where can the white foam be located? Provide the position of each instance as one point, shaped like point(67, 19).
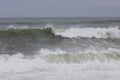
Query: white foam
point(20, 67)
point(15, 27)
point(48, 51)
point(111, 32)
point(86, 51)
point(17, 68)
point(35, 27)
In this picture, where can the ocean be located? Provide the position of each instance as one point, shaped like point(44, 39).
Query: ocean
point(60, 48)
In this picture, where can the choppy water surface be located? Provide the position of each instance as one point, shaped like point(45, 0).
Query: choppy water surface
point(59, 48)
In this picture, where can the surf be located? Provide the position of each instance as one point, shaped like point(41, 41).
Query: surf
point(111, 32)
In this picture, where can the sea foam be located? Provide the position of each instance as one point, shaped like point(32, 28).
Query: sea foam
point(18, 66)
point(111, 32)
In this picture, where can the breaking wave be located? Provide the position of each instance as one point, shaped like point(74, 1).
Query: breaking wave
point(58, 62)
point(14, 40)
point(60, 56)
point(24, 40)
point(59, 48)
point(90, 32)
point(111, 32)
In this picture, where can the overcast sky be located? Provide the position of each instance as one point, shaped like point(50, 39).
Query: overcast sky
point(59, 8)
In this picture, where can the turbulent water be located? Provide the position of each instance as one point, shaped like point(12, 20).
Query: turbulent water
point(59, 48)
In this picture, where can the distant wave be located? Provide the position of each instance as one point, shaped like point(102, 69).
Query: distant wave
point(58, 20)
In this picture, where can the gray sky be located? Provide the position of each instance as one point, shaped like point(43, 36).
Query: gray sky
point(59, 8)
